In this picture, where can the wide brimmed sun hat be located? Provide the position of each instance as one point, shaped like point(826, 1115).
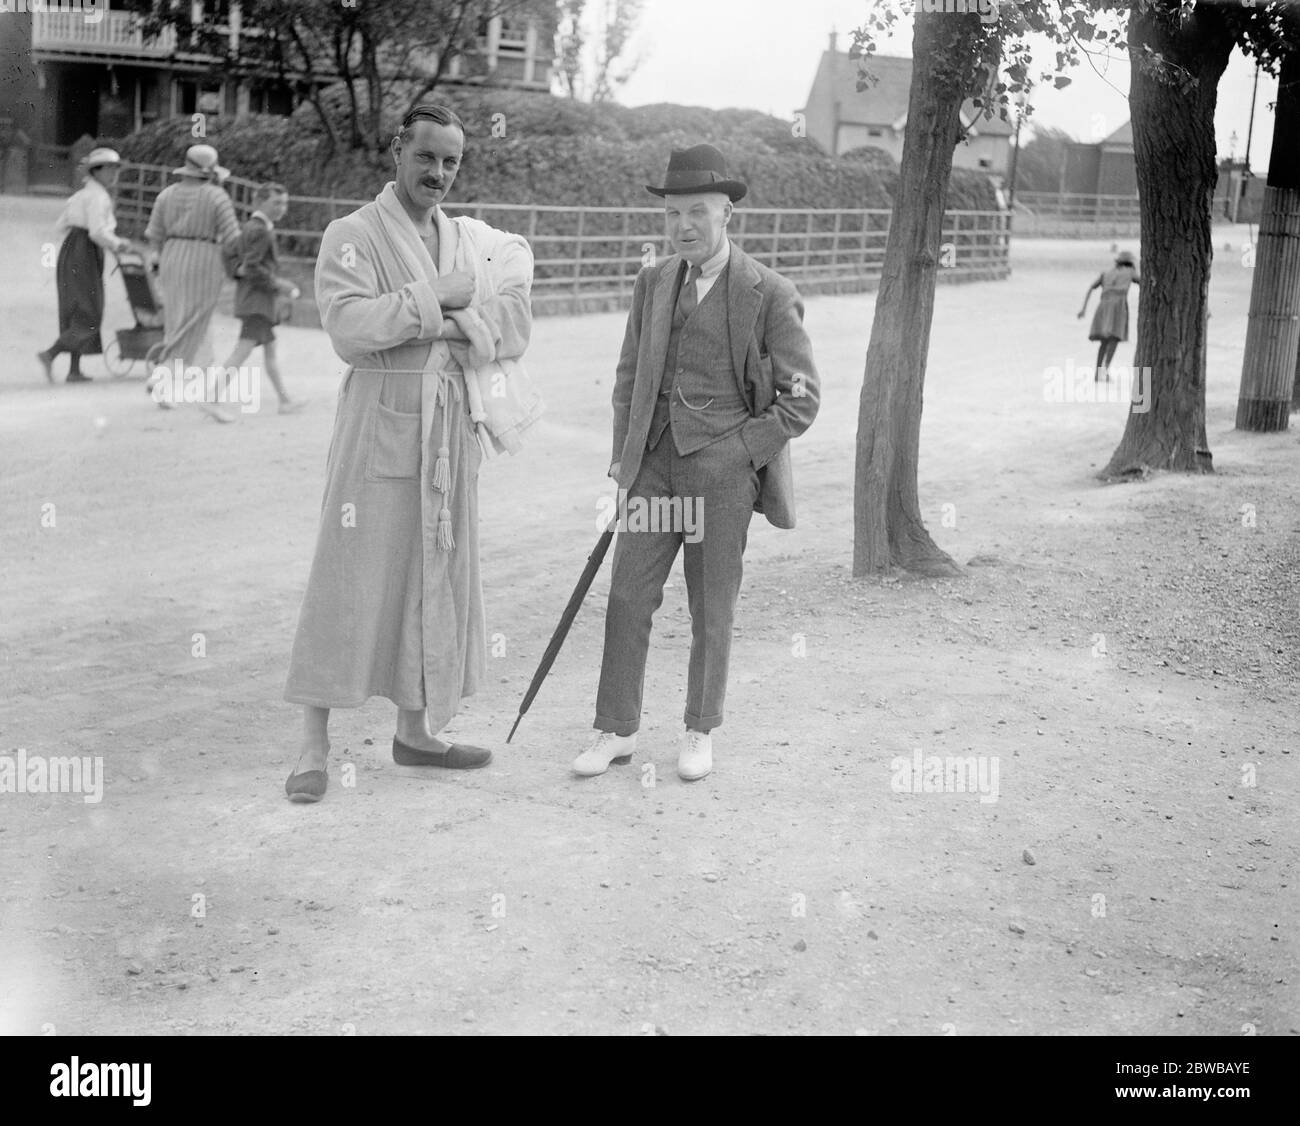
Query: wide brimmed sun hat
point(97, 158)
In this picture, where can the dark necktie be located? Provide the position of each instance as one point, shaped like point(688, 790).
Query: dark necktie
point(689, 299)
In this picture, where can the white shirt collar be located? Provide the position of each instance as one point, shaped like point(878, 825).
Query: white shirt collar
point(712, 267)
point(265, 219)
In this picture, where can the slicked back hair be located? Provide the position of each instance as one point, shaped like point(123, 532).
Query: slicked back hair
point(439, 115)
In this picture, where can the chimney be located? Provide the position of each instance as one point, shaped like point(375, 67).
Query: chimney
point(834, 37)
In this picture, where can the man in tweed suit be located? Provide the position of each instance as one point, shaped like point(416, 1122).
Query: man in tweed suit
point(715, 377)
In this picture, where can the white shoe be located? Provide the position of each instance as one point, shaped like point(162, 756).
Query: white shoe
point(696, 757)
point(605, 748)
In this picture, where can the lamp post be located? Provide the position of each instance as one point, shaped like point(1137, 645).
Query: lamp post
point(1021, 99)
point(1230, 179)
point(1015, 160)
point(1250, 127)
point(1250, 132)
point(1015, 157)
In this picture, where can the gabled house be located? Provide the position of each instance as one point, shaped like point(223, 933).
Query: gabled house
point(840, 117)
point(1104, 167)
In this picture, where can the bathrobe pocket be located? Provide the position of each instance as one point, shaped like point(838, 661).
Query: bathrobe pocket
point(394, 445)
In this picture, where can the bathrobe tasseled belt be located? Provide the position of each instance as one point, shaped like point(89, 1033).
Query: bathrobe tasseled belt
point(440, 479)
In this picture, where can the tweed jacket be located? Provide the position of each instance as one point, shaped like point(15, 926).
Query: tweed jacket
point(771, 359)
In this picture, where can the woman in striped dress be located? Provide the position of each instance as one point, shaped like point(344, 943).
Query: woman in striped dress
point(1110, 322)
point(191, 221)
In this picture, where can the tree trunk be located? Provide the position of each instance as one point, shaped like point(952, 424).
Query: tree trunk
point(1176, 65)
point(450, 37)
point(1268, 371)
point(313, 87)
point(343, 64)
point(887, 528)
point(374, 90)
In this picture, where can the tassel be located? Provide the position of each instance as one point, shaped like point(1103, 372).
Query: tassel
point(442, 470)
point(442, 466)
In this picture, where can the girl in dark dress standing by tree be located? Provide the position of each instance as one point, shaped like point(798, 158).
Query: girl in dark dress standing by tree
point(90, 228)
point(1110, 322)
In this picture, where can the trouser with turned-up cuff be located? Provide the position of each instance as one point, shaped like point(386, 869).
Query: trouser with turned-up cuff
point(717, 487)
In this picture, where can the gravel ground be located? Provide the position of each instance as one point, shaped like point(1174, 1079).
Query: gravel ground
point(1119, 663)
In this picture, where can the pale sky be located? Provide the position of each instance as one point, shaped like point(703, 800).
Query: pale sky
point(765, 53)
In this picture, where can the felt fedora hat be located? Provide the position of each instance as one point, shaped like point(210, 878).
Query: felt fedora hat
point(200, 163)
point(700, 168)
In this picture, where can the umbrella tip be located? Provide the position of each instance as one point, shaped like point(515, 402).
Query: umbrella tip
point(514, 728)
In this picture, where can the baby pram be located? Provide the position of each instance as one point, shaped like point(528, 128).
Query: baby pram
point(144, 341)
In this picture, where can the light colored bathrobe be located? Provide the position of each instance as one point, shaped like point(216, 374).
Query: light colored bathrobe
point(392, 608)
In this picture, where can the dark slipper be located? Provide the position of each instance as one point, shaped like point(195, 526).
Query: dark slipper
point(458, 756)
point(307, 786)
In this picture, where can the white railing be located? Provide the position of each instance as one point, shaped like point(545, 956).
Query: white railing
point(114, 33)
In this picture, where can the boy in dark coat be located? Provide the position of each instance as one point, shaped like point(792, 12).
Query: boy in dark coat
point(257, 293)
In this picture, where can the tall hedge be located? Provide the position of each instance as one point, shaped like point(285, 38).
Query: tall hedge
point(535, 148)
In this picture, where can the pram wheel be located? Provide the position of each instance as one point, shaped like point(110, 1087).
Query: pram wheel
point(117, 364)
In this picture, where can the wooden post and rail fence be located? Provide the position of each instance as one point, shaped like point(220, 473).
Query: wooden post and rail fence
point(587, 258)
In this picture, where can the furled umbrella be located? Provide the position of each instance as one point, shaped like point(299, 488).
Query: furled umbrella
point(594, 561)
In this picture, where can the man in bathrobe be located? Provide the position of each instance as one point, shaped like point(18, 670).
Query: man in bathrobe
point(414, 302)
